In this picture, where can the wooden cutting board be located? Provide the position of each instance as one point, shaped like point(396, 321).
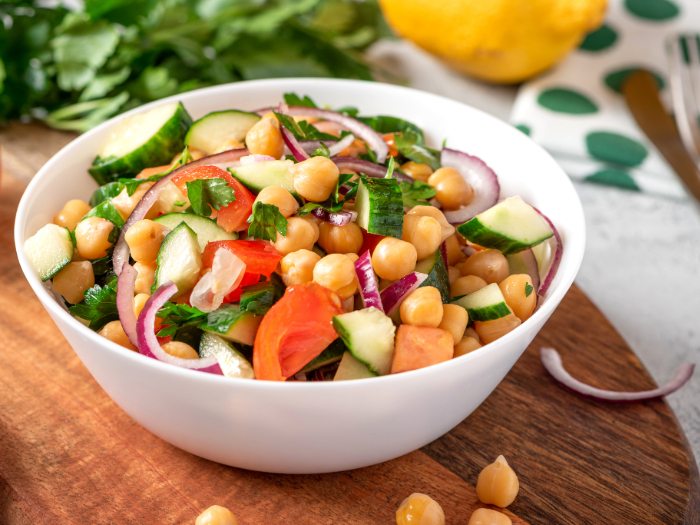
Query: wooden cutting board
point(69, 455)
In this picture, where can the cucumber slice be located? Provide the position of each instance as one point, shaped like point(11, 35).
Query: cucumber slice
point(510, 226)
point(179, 259)
point(232, 362)
point(260, 175)
point(379, 207)
point(259, 298)
point(210, 131)
point(486, 304)
point(147, 139)
point(330, 355)
point(233, 324)
point(206, 229)
point(369, 336)
point(434, 266)
point(49, 250)
point(350, 368)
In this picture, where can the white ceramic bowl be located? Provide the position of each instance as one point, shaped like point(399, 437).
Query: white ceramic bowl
point(313, 427)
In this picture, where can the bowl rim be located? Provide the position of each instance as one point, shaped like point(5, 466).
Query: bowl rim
point(554, 296)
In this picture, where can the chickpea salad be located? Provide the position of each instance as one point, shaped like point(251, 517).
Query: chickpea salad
point(294, 243)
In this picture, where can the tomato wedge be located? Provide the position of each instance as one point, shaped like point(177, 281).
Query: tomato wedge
point(248, 279)
point(295, 331)
point(369, 242)
point(260, 257)
point(232, 217)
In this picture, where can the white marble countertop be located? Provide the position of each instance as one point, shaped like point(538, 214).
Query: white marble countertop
point(642, 262)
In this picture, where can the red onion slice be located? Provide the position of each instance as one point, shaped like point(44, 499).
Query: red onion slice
point(293, 144)
point(125, 302)
point(396, 292)
point(369, 287)
point(532, 268)
point(120, 256)
point(479, 176)
point(148, 342)
point(373, 139)
point(252, 159)
point(339, 146)
point(552, 362)
point(443, 252)
point(368, 168)
point(338, 218)
point(557, 248)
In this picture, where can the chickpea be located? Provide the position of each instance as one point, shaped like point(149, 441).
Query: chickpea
point(298, 267)
point(497, 484)
point(424, 233)
point(489, 517)
point(72, 212)
point(432, 211)
point(337, 272)
point(490, 265)
point(302, 233)
point(340, 239)
point(280, 197)
point(115, 333)
point(139, 303)
point(145, 278)
point(144, 238)
point(180, 349)
point(454, 320)
point(216, 515)
point(420, 509)
point(92, 237)
point(466, 285)
point(417, 171)
point(470, 332)
point(229, 144)
point(489, 331)
point(125, 204)
point(453, 191)
point(265, 138)
point(423, 307)
point(515, 290)
point(393, 259)
point(453, 273)
point(72, 281)
point(352, 256)
point(315, 178)
point(454, 250)
point(466, 345)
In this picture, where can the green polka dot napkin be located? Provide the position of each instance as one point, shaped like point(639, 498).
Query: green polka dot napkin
point(576, 110)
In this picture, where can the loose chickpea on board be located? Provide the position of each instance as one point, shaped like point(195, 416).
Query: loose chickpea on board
point(497, 484)
point(489, 517)
point(216, 515)
point(420, 509)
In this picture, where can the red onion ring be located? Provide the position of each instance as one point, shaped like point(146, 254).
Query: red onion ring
point(125, 302)
point(368, 168)
point(120, 256)
point(443, 252)
point(556, 258)
point(532, 268)
point(396, 292)
point(479, 176)
point(373, 139)
point(148, 342)
point(335, 149)
point(338, 218)
point(293, 144)
point(369, 287)
point(552, 362)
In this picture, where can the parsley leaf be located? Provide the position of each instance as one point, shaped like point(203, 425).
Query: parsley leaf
point(416, 193)
point(302, 130)
point(323, 151)
point(293, 99)
point(528, 289)
point(177, 317)
point(390, 168)
point(221, 319)
point(333, 204)
point(205, 194)
point(265, 221)
point(99, 306)
point(409, 145)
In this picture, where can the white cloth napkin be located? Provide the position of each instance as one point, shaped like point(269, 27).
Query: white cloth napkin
point(577, 112)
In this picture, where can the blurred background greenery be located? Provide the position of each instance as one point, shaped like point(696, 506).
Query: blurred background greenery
point(74, 64)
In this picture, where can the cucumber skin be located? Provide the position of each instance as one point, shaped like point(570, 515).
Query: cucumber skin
point(194, 125)
point(438, 276)
point(489, 313)
point(474, 231)
point(385, 207)
point(346, 337)
point(159, 150)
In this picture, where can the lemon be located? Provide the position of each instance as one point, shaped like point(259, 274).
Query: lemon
point(503, 41)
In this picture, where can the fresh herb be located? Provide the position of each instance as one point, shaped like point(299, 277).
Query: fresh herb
point(178, 317)
point(334, 203)
point(132, 185)
point(444, 143)
point(179, 204)
point(322, 151)
point(99, 306)
point(349, 111)
point(292, 99)
point(259, 298)
point(528, 289)
point(221, 319)
point(302, 130)
point(411, 147)
point(103, 193)
point(416, 193)
point(208, 194)
point(75, 64)
point(106, 210)
point(390, 168)
point(384, 124)
point(265, 221)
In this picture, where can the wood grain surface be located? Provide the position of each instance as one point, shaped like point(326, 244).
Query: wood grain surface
point(69, 455)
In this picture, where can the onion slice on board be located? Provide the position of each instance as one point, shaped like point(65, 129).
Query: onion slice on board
point(125, 302)
point(552, 362)
point(396, 292)
point(557, 248)
point(148, 342)
point(373, 139)
point(121, 249)
point(293, 144)
point(369, 287)
point(479, 176)
point(338, 218)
